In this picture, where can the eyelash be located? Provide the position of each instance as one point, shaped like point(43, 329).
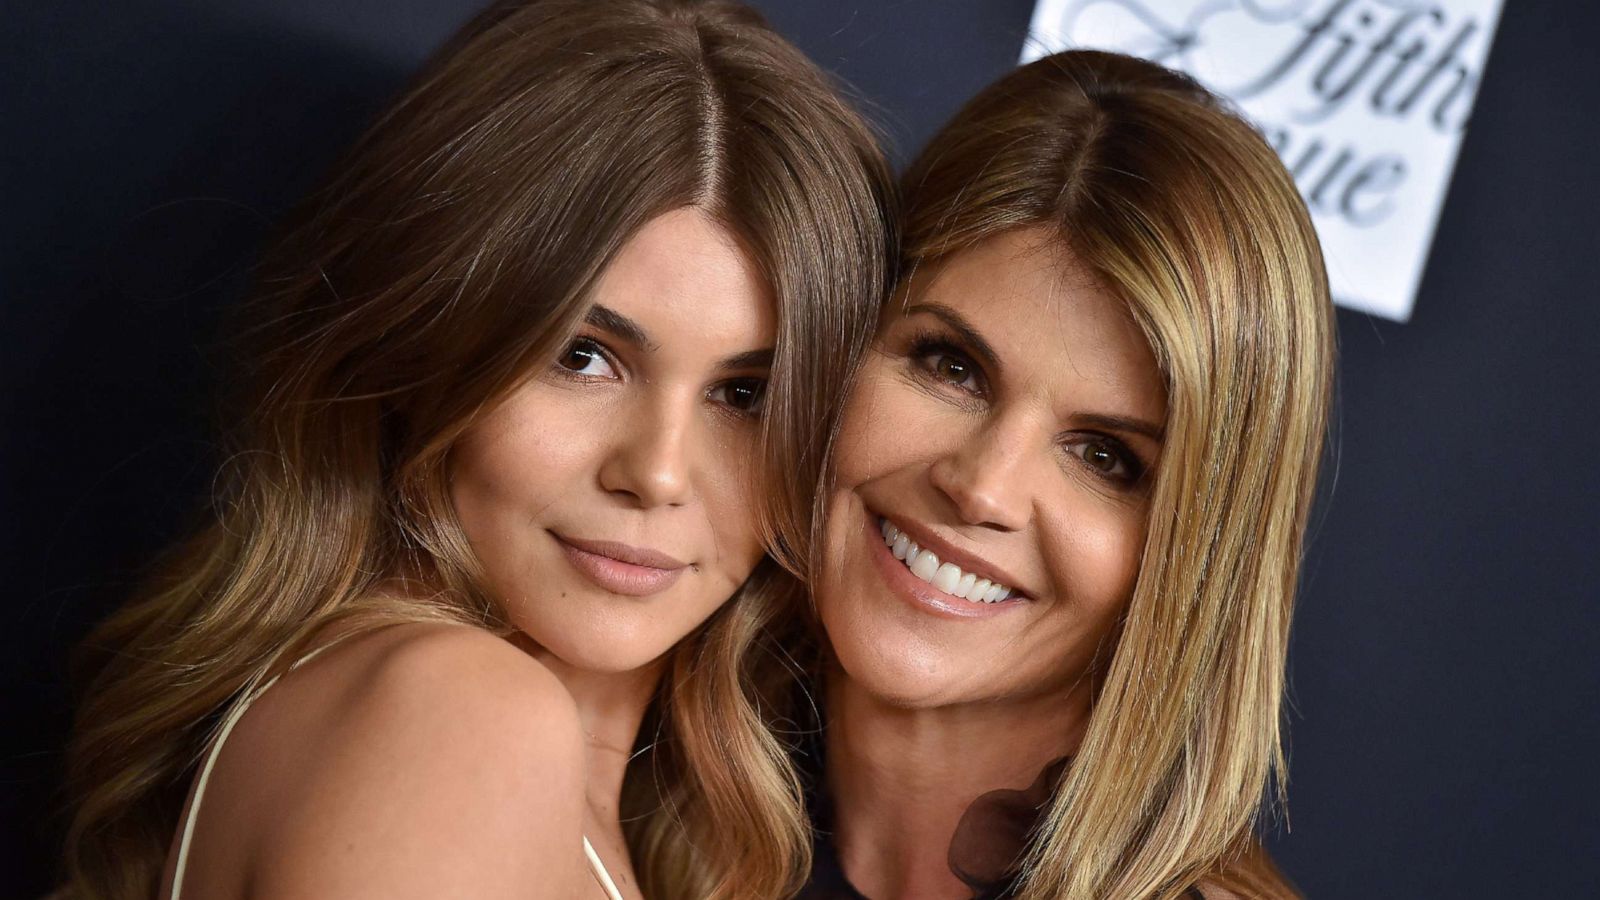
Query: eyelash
point(1132, 468)
point(757, 407)
point(927, 347)
point(592, 346)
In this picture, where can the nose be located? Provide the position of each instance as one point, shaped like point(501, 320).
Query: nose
point(984, 477)
point(649, 460)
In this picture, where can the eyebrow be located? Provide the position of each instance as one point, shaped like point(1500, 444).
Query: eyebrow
point(969, 334)
point(750, 359)
point(959, 324)
point(1123, 423)
point(607, 319)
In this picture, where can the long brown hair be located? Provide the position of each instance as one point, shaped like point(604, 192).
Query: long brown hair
point(1184, 212)
point(452, 252)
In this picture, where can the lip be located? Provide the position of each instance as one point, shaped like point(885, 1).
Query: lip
point(920, 594)
point(621, 568)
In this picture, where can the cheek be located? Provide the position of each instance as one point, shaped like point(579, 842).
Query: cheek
point(887, 426)
point(1094, 563)
point(867, 447)
point(889, 435)
point(515, 464)
point(731, 499)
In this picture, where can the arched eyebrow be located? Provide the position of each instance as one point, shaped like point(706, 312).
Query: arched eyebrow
point(975, 342)
point(1126, 424)
point(750, 359)
point(615, 323)
point(612, 322)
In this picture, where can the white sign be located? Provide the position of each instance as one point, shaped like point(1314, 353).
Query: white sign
point(1365, 100)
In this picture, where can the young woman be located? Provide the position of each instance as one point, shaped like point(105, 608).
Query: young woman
point(538, 378)
point(1071, 490)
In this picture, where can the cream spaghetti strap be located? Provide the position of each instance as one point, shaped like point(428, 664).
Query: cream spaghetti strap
point(599, 870)
point(211, 761)
point(596, 867)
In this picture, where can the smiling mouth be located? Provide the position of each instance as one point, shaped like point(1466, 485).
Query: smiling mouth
point(946, 577)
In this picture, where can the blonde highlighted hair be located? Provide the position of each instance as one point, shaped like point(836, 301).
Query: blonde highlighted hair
point(453, 251)
point(1185, 213)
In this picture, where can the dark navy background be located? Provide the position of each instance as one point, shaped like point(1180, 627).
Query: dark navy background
point(1445, 668)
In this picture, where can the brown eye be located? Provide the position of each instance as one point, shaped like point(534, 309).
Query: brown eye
point(1107, 458)
point(938, 360)
point(585, 357)
point(952, 369)
point(1101, 457)
point(744, 395)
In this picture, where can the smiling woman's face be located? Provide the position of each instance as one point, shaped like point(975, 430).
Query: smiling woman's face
point(990, 501)
point(608, 499)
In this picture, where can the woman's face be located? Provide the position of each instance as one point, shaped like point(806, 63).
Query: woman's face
point(1006, 422)
point(609, 497)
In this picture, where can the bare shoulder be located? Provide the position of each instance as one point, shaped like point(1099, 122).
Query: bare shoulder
point(434, 671)
point(1249, 874)
point(419, 760)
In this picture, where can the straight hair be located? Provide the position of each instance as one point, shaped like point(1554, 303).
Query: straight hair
point(1184, 212)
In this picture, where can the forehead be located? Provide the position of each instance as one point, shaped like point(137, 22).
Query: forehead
point(685, 275)
point(1048, 316)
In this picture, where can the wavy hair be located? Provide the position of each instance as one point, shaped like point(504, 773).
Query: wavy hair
point(1185, 213)
point(451, 252)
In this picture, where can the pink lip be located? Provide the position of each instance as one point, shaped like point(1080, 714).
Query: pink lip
point(922, 595)
point(621, 568)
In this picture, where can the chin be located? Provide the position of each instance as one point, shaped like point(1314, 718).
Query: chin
point(606, 646)
point(609, 657)
point(896, 667)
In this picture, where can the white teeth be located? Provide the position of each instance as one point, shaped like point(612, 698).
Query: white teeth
point(978, 593)
point(947, 577)
point(964, 586)
point(924, 563)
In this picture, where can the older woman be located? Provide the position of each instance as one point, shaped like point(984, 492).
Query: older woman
point(1071, 489)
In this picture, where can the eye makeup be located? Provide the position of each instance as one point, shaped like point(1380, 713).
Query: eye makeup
point(1105, 457)
point(583, 353)
point(743, 397)
point(941, 359)
point(941, 362)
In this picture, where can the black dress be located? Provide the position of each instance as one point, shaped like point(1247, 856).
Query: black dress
point(985, 852)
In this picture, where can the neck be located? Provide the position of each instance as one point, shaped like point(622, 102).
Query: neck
point(611, 706)
point(901, 779)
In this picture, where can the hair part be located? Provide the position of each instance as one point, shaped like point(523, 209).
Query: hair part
point(454, 250)
point(1183, 211)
